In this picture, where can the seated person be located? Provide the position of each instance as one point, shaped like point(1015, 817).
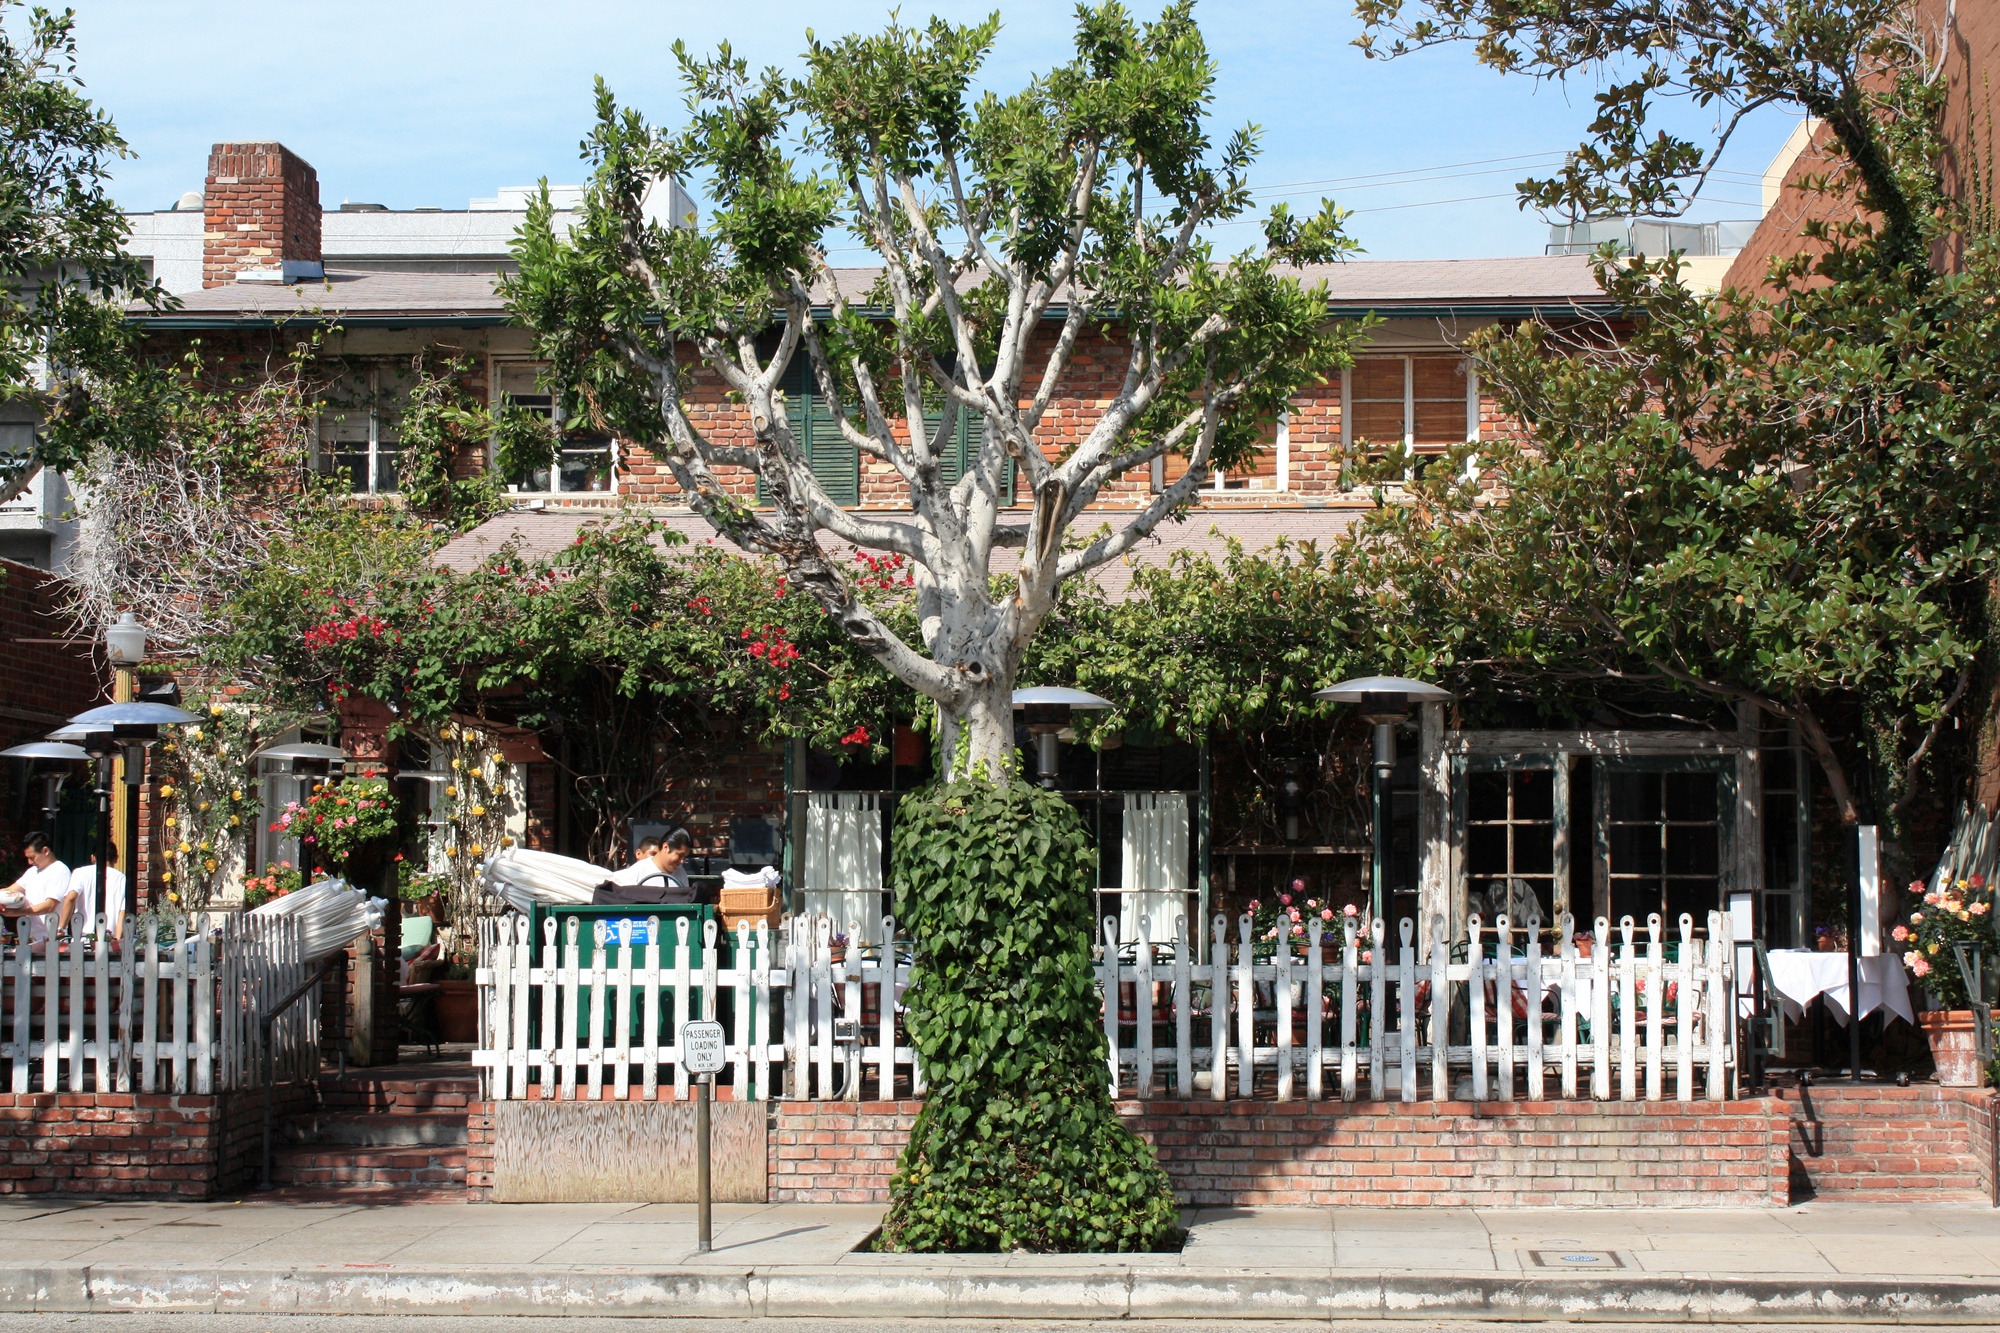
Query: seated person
point(658, 875)
point(83, 891)
point(42, 892)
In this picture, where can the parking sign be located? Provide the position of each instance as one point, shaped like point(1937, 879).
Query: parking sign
point(701, 1047)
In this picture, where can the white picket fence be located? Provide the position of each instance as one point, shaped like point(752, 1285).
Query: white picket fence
point(576, 1018)
point(1623, 1022)
point(169, 1011)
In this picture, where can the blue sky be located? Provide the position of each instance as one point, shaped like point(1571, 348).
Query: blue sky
point(431, 102)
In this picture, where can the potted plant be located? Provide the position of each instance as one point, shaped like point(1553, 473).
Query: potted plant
point(350, 826)
point(458, 1002)
point(1958, 912)
point(420, 892)
point(275, 882)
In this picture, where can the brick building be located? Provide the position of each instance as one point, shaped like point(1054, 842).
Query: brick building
point(363, 277)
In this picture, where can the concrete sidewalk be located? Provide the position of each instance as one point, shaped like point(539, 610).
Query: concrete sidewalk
point(1817, 1263)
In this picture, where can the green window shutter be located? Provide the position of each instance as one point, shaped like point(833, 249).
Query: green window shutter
point(958, 454)
point(836, 462)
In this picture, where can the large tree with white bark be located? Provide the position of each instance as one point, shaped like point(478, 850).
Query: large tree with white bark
point(995, 237)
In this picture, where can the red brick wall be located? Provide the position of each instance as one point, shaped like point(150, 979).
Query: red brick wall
point(1531, 1154)
point(1887, 1144)
point(160, 1145)
point(260, 207)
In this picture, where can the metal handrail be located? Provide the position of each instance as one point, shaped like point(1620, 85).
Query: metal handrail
point(264, 1024)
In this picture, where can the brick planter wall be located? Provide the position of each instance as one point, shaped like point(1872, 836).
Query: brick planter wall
point(1571, 1154)
point(1922, 1144)
point(192, 1146)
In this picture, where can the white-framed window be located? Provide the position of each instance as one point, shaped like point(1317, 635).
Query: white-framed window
point(1426, 403)
point(1270, 470)
point(359, 430)
point(580, 461)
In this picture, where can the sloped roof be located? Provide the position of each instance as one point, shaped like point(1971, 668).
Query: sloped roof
point(537, 535)
point(1523, 285)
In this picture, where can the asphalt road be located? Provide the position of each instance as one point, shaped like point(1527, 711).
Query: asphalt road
point(535, 1323)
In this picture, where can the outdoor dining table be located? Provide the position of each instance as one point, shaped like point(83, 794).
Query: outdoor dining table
point(1801, 975)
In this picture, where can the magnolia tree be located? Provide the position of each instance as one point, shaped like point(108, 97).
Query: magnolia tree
point(1002, 234)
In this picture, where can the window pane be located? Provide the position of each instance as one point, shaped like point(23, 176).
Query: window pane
point(387, 478)
point(1535, 794)
point(1534, 849)
point(1486, 795)
point(1438, 377)
point(1691, 849)
point(586, 467)
point(1380, 422)
point(348, 467)
point(1635, 849)
point(1441, 423)
point(1696, 897)
point(1690, 795)
point(1377, 377)
point(1634, 898)
point(1635, 796)
point(1486, 849)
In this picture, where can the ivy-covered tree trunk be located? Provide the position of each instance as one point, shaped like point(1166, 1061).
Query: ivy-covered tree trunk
point(1018, 1146)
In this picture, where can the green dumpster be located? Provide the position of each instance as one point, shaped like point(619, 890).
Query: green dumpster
point(607, 930)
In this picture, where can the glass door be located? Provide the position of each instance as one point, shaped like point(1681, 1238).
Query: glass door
point(1664, 834)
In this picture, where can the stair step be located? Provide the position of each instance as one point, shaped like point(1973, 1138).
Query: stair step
point(381, 1095)
point(380, 1130)
point(388, 1169)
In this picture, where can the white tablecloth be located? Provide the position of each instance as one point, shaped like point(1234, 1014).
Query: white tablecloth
point(1798, 975)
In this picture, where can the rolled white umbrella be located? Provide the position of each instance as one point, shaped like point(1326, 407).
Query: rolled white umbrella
point(329, 914)
point(522, 877)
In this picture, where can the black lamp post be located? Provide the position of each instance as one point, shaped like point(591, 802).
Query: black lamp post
point(1046, 710)
point(1385, 702)
point(104, 732)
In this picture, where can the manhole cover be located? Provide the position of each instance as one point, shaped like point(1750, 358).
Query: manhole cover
point(1576, 1259)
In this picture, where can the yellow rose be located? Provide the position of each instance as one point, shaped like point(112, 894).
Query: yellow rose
point(235, 821)
point(458, 763)
point(210, 864)
point(184, 849)
point(451, 791)
point(171, 821)
point(215, 710)
point(194, 733)
point(477, 848)
point(173, 897)
point(506, 842)
point(236, 795)
point(479, 812)
point(499, 758)
point(166, 877)
point(207, 847)
point(166, 789)
point(203, 806)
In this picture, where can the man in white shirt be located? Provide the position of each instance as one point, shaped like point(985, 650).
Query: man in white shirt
point(83, 889)
point(663, 867)
point(44, 889)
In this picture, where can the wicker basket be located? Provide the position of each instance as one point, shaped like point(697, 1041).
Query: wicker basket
point(758, 905)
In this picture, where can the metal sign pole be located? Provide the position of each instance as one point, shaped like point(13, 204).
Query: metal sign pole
point(704, 1233)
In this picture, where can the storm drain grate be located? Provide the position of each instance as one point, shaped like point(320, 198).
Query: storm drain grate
point(1584, 1259)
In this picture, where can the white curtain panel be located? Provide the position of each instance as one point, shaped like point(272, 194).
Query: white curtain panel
point(1156, 864)
point(842, 874)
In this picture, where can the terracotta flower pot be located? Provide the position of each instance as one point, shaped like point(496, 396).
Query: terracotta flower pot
point(1954, 1046)
point(458, 1010)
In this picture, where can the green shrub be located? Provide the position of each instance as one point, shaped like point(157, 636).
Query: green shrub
point(1017, 1146)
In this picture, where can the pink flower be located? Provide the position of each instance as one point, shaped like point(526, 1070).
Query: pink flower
point(1931, 898)
point(1916, 918)
point(1922, 967)
point(1298, 886)
point(1326, 914)
point(1917, 886)
point(1900, 933)
point(1293, 914)
point(1285, 898)
point(1350, 910)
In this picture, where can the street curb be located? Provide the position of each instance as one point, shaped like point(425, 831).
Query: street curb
point(909, 1291)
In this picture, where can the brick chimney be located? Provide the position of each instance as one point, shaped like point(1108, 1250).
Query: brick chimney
point(260, 216)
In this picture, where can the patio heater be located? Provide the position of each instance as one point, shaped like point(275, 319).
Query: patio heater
point(312, 752)
point(52, 779)
point(1046, 711)
point(1385, 704)
point(109, 730)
